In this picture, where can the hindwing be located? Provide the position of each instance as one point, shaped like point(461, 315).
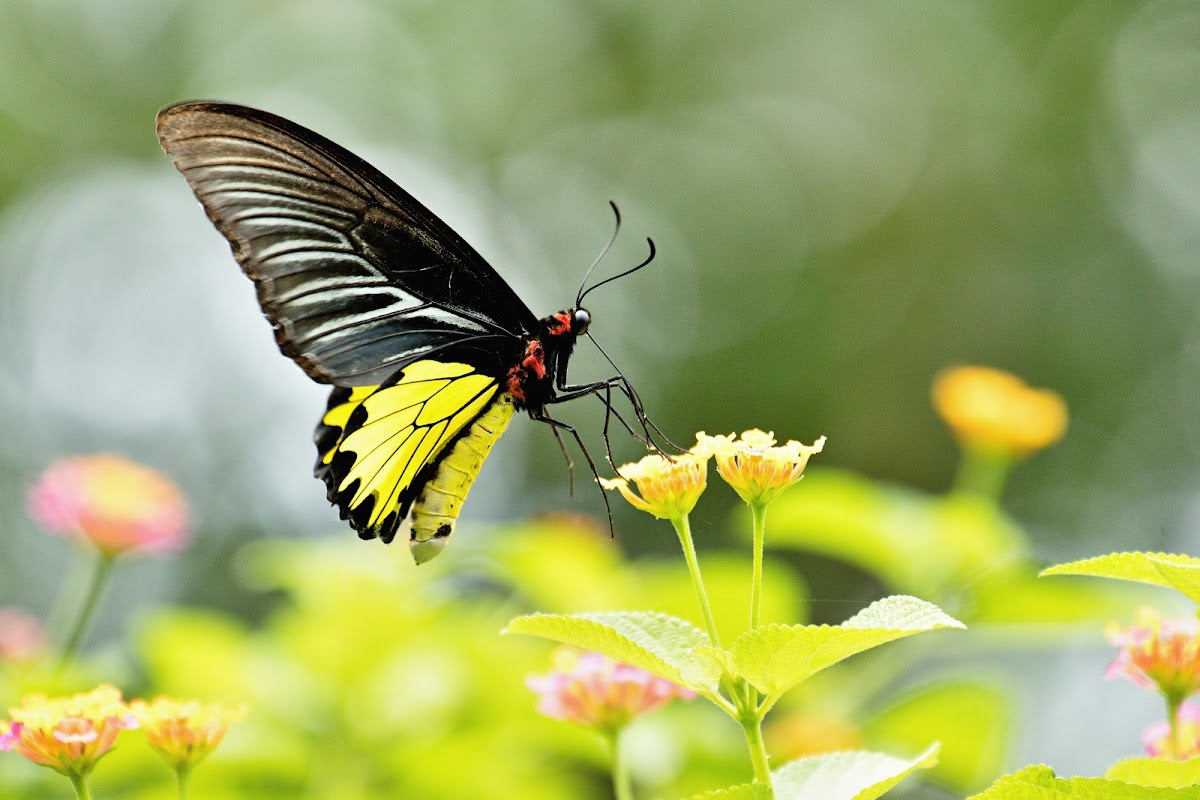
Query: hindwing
point(356, 277)
point(379, 445)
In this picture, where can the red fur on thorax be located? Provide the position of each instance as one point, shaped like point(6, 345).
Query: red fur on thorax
point(532, 365)
point(564, 324)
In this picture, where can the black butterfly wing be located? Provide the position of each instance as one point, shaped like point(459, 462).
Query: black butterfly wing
point(356, 277)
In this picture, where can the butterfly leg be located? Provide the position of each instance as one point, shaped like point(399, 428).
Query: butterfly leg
point(567, 457)
point(541, 416)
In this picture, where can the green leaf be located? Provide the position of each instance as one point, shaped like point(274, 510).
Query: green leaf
point(973, 720)
point(1040, 783)
point(658, 643)
point(915, 543)
point(849, 775)
point(776, 657)
point(744, 791)
point(1156, 772)
point(1159, 569)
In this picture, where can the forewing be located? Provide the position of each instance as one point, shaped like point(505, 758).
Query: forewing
point(356, 276)
point(378, 446)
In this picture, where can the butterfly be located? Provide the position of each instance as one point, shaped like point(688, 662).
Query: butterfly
point(429, 351)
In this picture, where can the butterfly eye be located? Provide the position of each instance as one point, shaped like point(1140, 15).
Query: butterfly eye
point(580, 321)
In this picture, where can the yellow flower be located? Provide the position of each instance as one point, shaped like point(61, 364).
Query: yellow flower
point(996, 412)
point(183, 732)
point(668, 488)
point(68, 734)
point(755, 467)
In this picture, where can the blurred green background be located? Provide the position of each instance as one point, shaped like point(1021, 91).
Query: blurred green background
point(846, 196)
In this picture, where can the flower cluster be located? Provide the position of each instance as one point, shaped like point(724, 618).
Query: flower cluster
point(668, 488)
point(1158, 654)
point(754, 466)
point(21, 636)
point(68, 734)
point(594, 691)
point(995, 412)
point(757, 469)
point(184, 732)
point(112, 503)
point(1183, 744)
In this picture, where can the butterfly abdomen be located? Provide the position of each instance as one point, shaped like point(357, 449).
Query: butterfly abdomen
point(437, 506)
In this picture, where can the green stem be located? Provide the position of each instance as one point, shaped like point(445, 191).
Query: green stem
point(684, 530)
point(759, 511)
point(622, 784)
point(81, 788)
point(183, 776)
point(981, 473)
point(1173, 704)
point(752, 727)
point(104, 563)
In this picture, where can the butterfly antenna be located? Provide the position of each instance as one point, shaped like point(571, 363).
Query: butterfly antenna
point(603, 253)
point(649, 258)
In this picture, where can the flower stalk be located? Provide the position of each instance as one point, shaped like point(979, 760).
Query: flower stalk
point(79, 782)
point(759, 512)
point(622, 782)
point(684, 530)
point(100, 575)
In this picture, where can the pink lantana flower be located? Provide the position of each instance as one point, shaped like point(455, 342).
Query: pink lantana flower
point(1157, 735)
point(21, 636)
point(594, 691)
point(68, 734)
point(1157, 653)
point(112, 502)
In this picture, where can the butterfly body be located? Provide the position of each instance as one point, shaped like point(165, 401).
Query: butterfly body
point(429, 351)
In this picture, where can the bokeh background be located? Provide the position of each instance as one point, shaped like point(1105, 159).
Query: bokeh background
point(846, 197)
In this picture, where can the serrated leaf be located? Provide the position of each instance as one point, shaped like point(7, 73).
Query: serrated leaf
point(1156, 772)
point(1159, 569)
point(849, 775)
point(1040, 783)
point(658, 643)
point(743, 791)
point(776, 657)
point(709, 664)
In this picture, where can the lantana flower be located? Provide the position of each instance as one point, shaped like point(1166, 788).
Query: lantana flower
point(68, 734)
point(594, 691)
point(112, 502)
point(1157, 653)
point(22, 637)
point(184, 732)
point(756, 468)
point(1158, 739)
point(996, 412)
point(668, 488)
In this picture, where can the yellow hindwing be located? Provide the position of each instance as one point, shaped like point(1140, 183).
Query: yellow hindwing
point(377, 442)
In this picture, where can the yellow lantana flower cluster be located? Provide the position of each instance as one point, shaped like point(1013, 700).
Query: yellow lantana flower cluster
point(184, 732)
point(70, 734)
point(756, 468)
point(996, 412)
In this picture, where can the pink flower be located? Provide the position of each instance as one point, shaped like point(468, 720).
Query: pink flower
point(68, 734)
point(21, 636)
point(113, 503)
point(1157, 735)
point(1156, 653)
point(592, 690)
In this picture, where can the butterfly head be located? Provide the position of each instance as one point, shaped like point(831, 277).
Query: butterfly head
point(573, 322)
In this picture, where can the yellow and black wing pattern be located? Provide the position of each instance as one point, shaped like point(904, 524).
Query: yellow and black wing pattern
point(366, 290)
point(416, 442)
